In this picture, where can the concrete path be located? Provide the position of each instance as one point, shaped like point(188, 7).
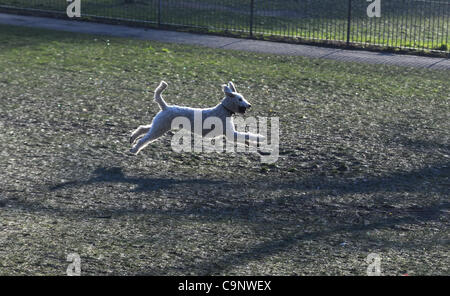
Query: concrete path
point(227, 42)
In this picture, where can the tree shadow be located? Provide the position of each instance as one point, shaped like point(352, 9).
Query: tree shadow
point(295, 199)
point(265, 249)
point(289, 208)
point(411, 181)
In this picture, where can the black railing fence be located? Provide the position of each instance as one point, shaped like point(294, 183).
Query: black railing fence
point(415, 24)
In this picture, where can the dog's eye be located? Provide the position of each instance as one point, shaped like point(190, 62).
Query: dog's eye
point(240, 100)
point(232, 95)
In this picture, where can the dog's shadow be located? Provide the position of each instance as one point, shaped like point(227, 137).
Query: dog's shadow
point(116, 175)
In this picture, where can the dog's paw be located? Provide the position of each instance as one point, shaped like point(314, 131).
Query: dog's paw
point(133, 151)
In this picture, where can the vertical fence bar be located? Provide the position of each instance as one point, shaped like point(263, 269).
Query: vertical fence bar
point(349, 19)
point(448, 26)
point(410, 25)
point(443, 25)
point(406, 26)
point(159, 13)
point(252, 7)
point(434, 37)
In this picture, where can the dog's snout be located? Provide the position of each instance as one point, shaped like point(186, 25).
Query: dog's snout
point(249, 105)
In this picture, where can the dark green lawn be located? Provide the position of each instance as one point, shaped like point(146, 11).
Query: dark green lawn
point(363, 167)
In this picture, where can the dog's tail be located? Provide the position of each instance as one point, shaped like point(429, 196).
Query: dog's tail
point(158, 99)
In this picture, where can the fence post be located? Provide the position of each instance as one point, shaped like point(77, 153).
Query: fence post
point(159, 13)
point(349, 19)
point(251, 17)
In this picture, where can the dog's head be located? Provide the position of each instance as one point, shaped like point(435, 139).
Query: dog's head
point(233, 100)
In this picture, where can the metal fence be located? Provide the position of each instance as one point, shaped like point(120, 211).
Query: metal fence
point(415, 24)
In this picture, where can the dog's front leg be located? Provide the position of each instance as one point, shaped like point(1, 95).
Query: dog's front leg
point(248, 138)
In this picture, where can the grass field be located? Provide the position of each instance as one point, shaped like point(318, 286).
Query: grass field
point(363, 167)
point(407, 24)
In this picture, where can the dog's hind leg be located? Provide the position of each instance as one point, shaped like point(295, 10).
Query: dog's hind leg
point(143, 129)
point(151, 136)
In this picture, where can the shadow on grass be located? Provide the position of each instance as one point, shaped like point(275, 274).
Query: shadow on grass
point(290, 214)
point(116, 175)
point(294, 199)
point(40, 37)
point(275, 246)
point(399, 181)
point(411, 181)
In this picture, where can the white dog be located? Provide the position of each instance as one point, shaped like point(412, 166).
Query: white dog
point(162, 122)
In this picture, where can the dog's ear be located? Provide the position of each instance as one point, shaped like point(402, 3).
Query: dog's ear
point(226, 89)
point(231, 86)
